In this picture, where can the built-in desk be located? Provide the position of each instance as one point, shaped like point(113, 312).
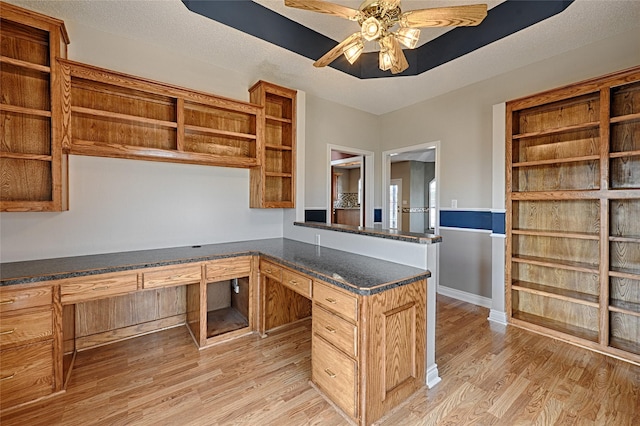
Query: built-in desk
point(381, 306)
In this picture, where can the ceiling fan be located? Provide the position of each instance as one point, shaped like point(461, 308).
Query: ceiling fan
point(377, 19)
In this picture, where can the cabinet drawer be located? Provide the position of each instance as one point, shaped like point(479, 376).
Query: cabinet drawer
point(336, 301)
point(335, 374)
point(234, 267)
point(26, 373)
point(271, 270)
point(20, 327)
point(298, 283)
point(178, 275)
point(337, 331)
point(19, 297)
point(80, 289)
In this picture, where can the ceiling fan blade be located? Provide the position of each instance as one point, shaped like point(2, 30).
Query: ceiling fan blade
point(324, 7)
point(331, 55)
point(454, 16)
point(398, 60)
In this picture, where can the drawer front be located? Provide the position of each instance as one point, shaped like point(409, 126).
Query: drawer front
point(336, 301)
point(335, 374)
point(18, 297)
point(20, 327)
point(298, 283)
point(234, 267)
point(26, 373)
point(80, 289)
point(179, 275)
point(271, 270)
point(340, 333)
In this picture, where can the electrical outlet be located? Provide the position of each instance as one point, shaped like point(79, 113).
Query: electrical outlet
point(454, 204)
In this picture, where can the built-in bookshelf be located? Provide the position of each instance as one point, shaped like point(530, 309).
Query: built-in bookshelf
point(573, 213)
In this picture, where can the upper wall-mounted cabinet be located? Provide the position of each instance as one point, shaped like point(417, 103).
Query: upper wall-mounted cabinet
point(273, 184)
point(34, 169)
point(111, 114)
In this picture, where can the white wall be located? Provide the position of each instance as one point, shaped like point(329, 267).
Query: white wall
point(120, 205)
point(331, 124)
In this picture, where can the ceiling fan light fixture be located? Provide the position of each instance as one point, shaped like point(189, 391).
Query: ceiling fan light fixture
point(385, 59)
point(371, 29)
point(353, 51)
point(408, 36)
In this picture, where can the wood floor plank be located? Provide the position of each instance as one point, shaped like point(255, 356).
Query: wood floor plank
point(490, 376)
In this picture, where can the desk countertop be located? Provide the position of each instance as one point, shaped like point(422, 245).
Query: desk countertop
point(359, 274)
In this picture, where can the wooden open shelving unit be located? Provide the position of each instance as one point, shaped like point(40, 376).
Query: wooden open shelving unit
point(33, 166)
point(573, 213)
point(273, 184)
point(111, 114)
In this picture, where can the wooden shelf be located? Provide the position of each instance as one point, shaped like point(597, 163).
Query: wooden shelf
point(624, 154)
point(556, 161)
point(633, 274)
point(224, 320)
point(273, 184)
point(558, 130)
point(557, 293)
point(26, 111)
point(554, 263)
point(21, 156)
point(560, 234)
point(25, 64)
point(279, 119)
point(624, 307)
point(573, 192)
point(142, 119)
point(123, 117)
point(624, 118)
point(568, 329)
point(278, 147)
point(217, 132)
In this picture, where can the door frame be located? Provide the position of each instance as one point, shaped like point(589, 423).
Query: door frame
point(386, 178)
point(399, 183)
point(368, 190)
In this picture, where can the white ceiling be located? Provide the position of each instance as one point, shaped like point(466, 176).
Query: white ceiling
point(170, 24)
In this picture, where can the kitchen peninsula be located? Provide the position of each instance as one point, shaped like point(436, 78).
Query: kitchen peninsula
point(369, 315)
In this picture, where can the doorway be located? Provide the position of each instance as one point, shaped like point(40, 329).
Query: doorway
point(417, 204)
point(349, 186)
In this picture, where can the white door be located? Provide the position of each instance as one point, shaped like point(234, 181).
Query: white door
point(395, 205)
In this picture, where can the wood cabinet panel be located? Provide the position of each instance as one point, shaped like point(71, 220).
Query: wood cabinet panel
point(74, 290)
point(23, 327)
point(331, 298)
point(335, 330)
point(172, 276)
point(335, 374)
point(15, 298)
point(271, 270)
point(299, 283)
point(26, 373)
point(233, 267)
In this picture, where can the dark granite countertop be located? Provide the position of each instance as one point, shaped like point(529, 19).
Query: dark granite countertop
point(359, 274)
point(390, 234)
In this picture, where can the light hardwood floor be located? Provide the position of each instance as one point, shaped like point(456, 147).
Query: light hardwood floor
point(489, 376)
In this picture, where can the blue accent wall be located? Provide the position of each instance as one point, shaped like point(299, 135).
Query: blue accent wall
point(377, 215)
point(473, 219)
point(498, 223)
point(503, 20)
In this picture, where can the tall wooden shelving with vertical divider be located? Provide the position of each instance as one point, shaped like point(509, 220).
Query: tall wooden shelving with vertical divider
point(273, 184)
point(33, 168)
point(573, 213)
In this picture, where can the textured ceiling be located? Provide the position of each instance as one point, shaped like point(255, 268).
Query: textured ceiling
point(170, 24)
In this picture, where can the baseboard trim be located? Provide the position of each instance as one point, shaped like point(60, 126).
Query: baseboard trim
point(499, 317)
point(433, 378)
point(464, 296)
